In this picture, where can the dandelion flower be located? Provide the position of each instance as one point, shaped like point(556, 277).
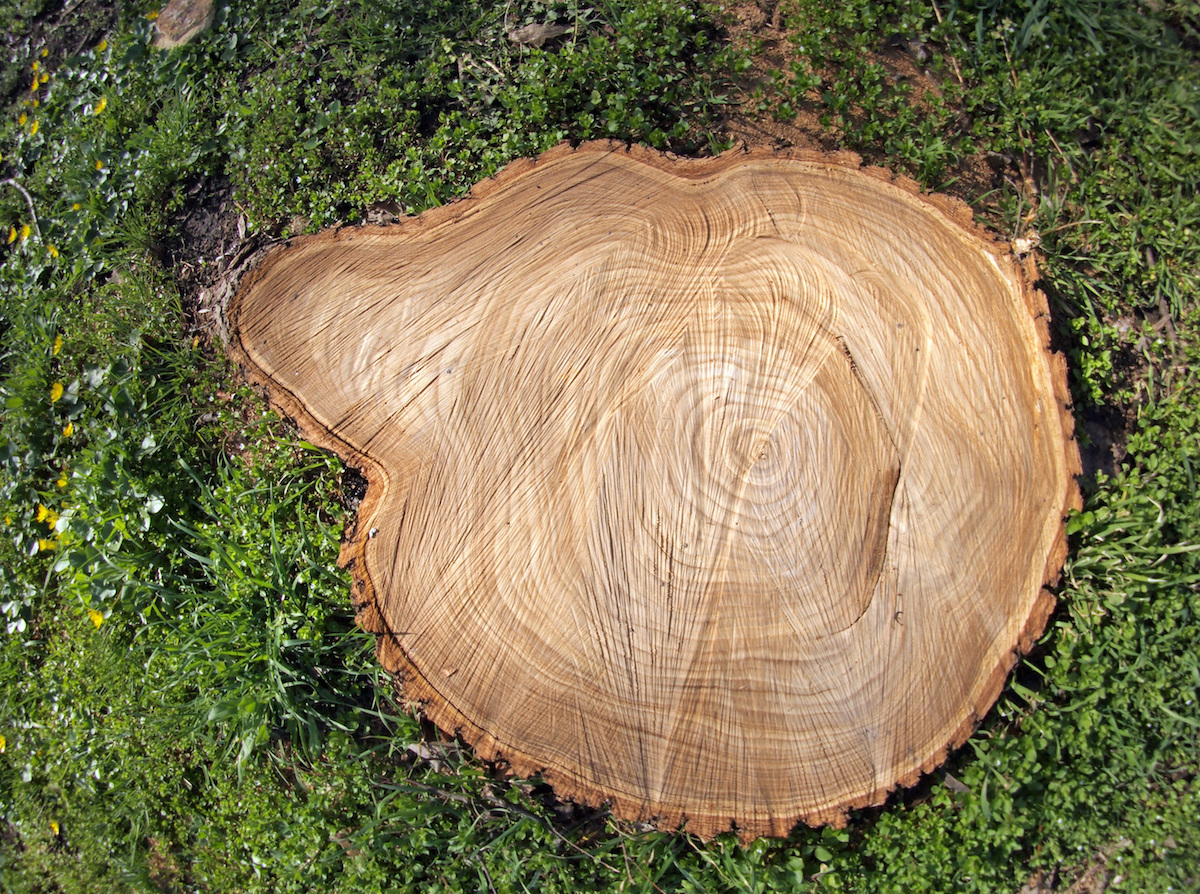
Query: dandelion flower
point(69, 430)
point(96, 617)
point(25, 231)
point(53, 250)
point(56, 392)
point(101, 105)
point(58, 342)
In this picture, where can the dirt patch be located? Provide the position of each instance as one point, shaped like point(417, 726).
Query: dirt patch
point(162, 868)
point(352, 489)
point(10, 838)
point(205, 248)
point(57, 32)
point(752, 119)
point(1095, 876)
point(1105, 427)
point(757, 116)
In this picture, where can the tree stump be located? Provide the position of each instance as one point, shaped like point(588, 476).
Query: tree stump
point(724, 491)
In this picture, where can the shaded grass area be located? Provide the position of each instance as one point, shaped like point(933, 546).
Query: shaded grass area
point(184, 701)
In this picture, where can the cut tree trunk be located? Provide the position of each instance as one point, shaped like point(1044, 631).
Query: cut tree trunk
point(723, 491)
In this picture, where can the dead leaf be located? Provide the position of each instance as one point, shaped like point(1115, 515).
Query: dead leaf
point(955, 786)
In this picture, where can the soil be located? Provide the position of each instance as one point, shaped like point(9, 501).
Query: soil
point(760, 26)
point(1099, 874)
point(353, 489)
point(10, 838)
point(162, 868)
point(205, 248)
point(61, 30)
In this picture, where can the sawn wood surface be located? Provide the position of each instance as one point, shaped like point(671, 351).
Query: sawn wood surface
point(725, 491)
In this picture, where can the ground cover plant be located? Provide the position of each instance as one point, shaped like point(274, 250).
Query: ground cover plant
point(184, 701)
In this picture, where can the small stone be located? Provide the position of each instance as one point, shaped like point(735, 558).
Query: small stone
point(180, 21)
point(537, 34)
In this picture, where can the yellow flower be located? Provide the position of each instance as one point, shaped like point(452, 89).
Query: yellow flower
point(101, 105)
point(12, 235)
point(58, 338)
point(62, 480)
point(22, 118)
point(46, 545)
point(69, 430)
point(25, 231)
point(99, 165)
point(42, 512)
point(33, 128)
point(49, 516)
point(56, 392)
point(53, 253)
point(152, 15)
point(97, 617)
point(45, 53)
point(36, 65)
point(54, 827)
point(45, 77)
point(102, 46)
point(76, 207)
point(3, 742)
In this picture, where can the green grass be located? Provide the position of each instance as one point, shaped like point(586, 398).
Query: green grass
point(185, 703)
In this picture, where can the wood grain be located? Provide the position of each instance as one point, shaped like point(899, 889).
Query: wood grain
point(724, 491)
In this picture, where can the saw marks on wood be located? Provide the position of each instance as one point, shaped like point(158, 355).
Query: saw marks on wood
point(722, 490)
